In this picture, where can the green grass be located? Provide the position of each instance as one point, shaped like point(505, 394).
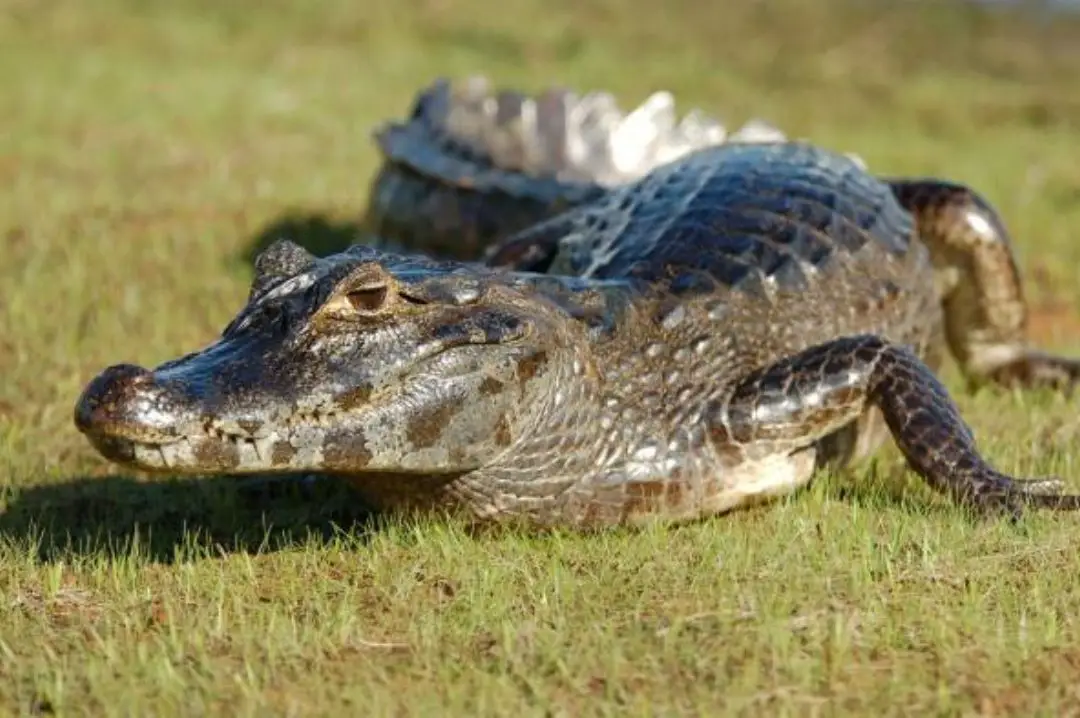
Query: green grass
point(148, 146)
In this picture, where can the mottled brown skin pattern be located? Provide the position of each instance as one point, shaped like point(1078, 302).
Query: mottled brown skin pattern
point(695, 341)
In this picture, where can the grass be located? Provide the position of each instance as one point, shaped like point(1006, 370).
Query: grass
point(148, 147)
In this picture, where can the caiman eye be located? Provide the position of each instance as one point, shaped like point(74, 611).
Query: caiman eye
point(368, 299)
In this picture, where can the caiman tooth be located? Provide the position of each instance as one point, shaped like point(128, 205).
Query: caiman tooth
point(149, 455)
point(248, 452)
point(264, 447)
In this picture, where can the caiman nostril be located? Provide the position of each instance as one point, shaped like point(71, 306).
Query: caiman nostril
point(127, 372)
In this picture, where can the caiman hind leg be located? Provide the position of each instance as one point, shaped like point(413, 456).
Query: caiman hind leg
point(792, 404)
point(981, 288)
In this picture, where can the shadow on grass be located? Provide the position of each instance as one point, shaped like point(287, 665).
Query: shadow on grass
point(169, 519)
point(319, 233)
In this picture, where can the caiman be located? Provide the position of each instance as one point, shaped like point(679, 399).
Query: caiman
point(593, 319)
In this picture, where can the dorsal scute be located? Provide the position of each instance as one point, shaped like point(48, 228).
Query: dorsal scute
point(557, 134)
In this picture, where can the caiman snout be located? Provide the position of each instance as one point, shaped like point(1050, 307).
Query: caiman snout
point(125, 402)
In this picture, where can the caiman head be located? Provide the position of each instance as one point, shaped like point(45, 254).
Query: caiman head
point(358, 362)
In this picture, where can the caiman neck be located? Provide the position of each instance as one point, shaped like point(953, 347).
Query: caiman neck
point(563, 430)
point(535, 435)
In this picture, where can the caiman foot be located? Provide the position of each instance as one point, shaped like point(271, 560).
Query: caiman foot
point(1036, 370)
point(983, 293)
point(801, 399)
point(993, 491)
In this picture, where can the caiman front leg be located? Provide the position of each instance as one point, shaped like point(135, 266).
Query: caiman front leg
point(985, 309)
point(797, 401)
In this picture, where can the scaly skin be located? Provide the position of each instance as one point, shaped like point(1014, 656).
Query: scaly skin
point(675, 346)
point(469, 170)
point(472, 166)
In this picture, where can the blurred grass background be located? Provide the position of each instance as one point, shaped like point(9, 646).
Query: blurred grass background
point(146, 147)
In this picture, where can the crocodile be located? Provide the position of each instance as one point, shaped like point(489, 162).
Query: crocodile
point(704, 329)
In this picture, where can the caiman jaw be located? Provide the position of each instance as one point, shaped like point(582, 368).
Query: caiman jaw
point(442, 414)
point(133, 418)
